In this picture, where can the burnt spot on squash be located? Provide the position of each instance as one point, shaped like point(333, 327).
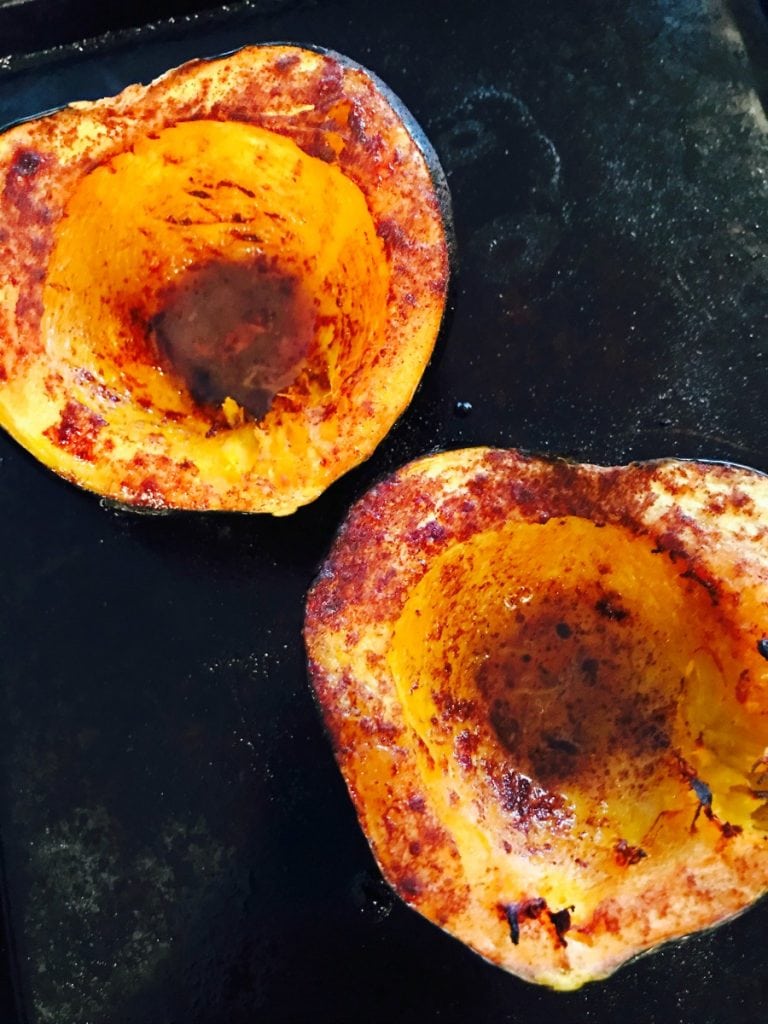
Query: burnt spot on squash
point(516, 914)
point(465, 746)
point(512, 915)
point(627, 855)
point(432, 531)
point(706, 581)
point(610, 607)
point(526, 802)
point(701, 790)
point(452, 708)
point(234, 331)
point(26, 163)
point(77, 430)
point(226, 183)
point(560, 745)
point(703, 793)
point(21, 190)
point(561, 921)
point(670, 544)
point(589, 668)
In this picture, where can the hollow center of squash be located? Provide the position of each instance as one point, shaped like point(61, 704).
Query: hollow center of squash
point(235, 331)
point(563, 676)
point(570, 687)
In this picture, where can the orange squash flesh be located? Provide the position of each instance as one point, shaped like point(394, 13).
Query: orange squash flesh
point(218, 291)
point(547, 689)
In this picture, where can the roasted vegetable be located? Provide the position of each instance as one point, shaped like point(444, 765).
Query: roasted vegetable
point(219, 291)
point(547, 688)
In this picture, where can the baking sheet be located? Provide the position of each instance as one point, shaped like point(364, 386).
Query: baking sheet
point(177, 842)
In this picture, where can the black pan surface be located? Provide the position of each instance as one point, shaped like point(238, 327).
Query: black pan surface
point(177, 843)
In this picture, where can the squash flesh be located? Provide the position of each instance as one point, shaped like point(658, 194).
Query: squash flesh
point(134, 226)
point(572, 708)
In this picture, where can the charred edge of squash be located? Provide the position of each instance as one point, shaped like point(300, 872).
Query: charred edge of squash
point(412, 125)
point(528, 455)
point(366, 488)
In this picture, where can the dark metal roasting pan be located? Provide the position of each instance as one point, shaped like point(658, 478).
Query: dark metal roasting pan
point(177, 843)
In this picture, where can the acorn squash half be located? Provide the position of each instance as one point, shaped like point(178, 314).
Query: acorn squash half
point(219, 291)
point(547, 689)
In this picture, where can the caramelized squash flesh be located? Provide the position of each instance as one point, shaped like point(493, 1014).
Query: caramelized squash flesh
point(546, 685)
point(221, 290)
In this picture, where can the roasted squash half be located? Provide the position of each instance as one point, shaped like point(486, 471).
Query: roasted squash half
point(219, 291)
point(547, 688)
